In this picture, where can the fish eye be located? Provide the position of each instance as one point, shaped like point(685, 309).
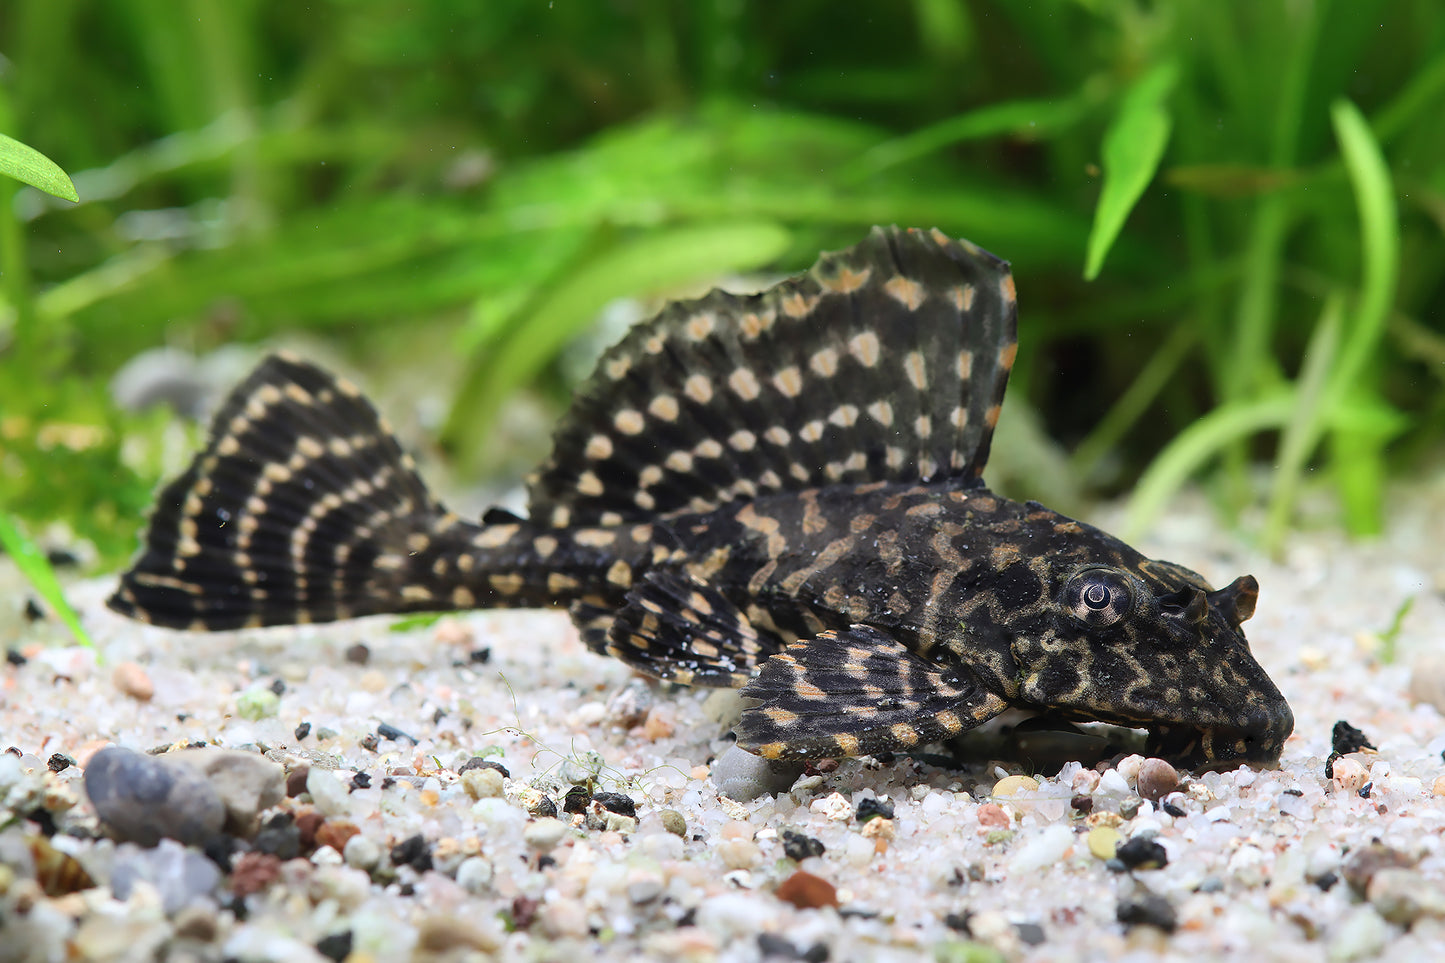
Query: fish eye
point(1099, 597)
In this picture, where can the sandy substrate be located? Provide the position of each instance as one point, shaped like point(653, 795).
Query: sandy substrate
point(1259, 864)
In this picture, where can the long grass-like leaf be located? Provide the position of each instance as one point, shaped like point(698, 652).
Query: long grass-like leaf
point(1133, 147)
point(646, 265)
point(28, 165)
point(37, 571)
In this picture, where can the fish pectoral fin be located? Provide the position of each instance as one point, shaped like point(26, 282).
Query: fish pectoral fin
point(854, 692)
point(679, 629)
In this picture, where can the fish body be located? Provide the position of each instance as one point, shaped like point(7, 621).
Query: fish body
point(780, 492)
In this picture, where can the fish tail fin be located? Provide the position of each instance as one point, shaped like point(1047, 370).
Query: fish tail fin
point(303, 507)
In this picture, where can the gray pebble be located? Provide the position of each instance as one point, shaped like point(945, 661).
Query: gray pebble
point(141, 799)
point(1403, 896)
point(246, 783)
point(181, 876)
point(644, 890)
point(740, 775)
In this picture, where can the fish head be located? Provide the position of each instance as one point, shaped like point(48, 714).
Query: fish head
point(1148, 644)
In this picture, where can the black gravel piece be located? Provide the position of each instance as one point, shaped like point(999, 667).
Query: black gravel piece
point(388, 731)
point(61, 558)
point(545, 807)
point(616, 802)
point(59, 762)
point(480, 656)
point(873, 808)
point(283, 842)
point(1141, 853)
point(1030, 934)
point(1327, 881)
point(797, 846)
point(959, 922)
point(775, 947)
point(1330, 765)
point(1082, 804)
point(1148, 910)
point(278, 686)
point(336, 946)
point(369, 742)
point(576, 800)
point(14, 657)
point(1346, 738)
point(219, 850)
point(477, 762)
point(33, 611)
point(1174, 810)
point(414, 852)
point(302, 731)
point(358, 654)
point(361, 780)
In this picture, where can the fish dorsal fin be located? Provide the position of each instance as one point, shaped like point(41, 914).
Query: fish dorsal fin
point(884, 362)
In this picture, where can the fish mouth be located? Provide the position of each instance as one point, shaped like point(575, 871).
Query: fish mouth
point(1203, 748)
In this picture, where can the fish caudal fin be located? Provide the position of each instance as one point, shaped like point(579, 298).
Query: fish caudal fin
point(885, 362)
point(302, 508)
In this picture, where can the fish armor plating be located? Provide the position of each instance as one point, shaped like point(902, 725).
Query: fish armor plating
point(780, 492)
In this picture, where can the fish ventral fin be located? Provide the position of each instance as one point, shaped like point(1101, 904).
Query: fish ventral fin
point(855, 692)
point(676, 628)
point(301, 508)
point(884, 362)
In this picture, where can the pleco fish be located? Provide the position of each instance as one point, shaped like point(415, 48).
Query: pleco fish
point(779, 491)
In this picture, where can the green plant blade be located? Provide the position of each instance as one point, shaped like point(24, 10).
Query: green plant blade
point(1133, 147)
point(29, 166)
point(37, 571)
point(648, 264)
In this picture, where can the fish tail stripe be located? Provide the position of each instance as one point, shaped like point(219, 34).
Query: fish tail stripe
point(882, 363)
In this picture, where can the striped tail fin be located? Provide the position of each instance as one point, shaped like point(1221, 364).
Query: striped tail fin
point(302, 508)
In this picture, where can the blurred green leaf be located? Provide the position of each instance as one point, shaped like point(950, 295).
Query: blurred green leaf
point(37, 571)
point(28, 165)
point(635, 267)
point(1133, 147)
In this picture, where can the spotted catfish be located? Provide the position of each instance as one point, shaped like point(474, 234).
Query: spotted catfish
point(780, 492)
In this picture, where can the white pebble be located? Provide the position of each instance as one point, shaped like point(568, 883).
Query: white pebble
point(361, 853)
point(544, 834)
point(329, 794)
point(473, 875)
point(1043, 850)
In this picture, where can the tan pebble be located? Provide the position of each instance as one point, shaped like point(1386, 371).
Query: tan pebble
point(482, 783)
point(131, 679)
point(699, 773)
point(1157, 779)
point(1349, 775)
point(1085, 781)
point(1313, 659)
point(880, 829)
point(1103, 841)
point(1427, 680)
point(1129, 767)
point(1104, 819)
point(442, 934)
point(806, 891)
point(1438, 786)
point(736, 830)
point(674, 822)
point(660, 723)
point(372, 681)
point(993, 816)
point(1009, 785)
point(454, 632)
point(739, 853)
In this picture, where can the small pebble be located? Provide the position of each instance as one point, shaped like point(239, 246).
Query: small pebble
point(246, 782)
point(1141, 853)
point(335, 946)
point(576, 800)
point(257, 704)
point(133, 680)
point(475, 875)
point(674, 822)
point(143, 799)
point(296, 780)
point(336, 833)
point(1346, 739)
point(616, 802)
point(1427, 680)
point(806, 891)
point(443, 933)
point(481, 762)
point(1349, 776)
point(544, 834)
point(870, 808)
point(1103, 841)
point(414, 851)
point(361, 853)
point(328, 793)
point(993, 816)
point(1157, 779)
point(1361, 865)
point(254, 872)
point(1010, 785)
point(1149, 910)
point(482, 783)
point(358, 654)
point(798, 847)
point(1129, 808)
point(1403, 896)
